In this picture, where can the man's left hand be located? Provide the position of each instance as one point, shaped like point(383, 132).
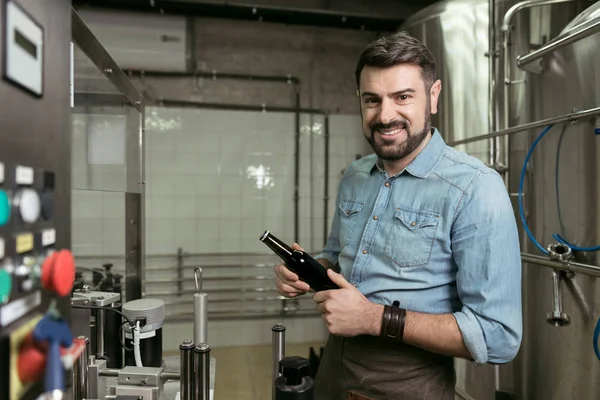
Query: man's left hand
point(346, 311)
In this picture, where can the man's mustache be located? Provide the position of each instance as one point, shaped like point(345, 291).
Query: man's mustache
point(395, 124)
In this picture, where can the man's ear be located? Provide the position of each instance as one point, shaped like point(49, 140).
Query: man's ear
point(434, 95)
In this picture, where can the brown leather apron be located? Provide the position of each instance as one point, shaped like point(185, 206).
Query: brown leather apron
point(373, 368)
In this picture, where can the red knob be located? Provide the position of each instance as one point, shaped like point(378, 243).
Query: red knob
point(31, 362)
point(58, 272)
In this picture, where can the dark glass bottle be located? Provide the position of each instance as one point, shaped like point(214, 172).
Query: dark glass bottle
point(303, 265)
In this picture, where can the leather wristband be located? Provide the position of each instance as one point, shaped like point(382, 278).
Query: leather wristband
point(392, 324)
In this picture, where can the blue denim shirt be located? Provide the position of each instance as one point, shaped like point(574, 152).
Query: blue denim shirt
point(439, 237)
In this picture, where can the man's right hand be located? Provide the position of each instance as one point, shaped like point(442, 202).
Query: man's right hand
point(288, 284)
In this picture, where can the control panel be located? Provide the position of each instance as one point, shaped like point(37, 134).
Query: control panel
point(37, 269)
point(31, 263)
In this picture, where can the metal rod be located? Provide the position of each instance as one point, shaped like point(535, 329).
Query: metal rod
point(571, 117)
point(492, 80)
point(230, 106)
point(186, 254)
point(326, 183)
point(258, 316)
point(202, 372)
point(212, 278)
point(186, 362)
point(557, 43)
point(578, 268)
point(80, 372)
point(89, 44)
point(109, 373)
point(237, 299)
point(278, 338)
point(557, 317)
point(225, 290)
point(514, 10)
point(100, 333)
point(200, 318)
point(505, 48)
point(214, 75)
point(297, 167)
point(179, 270)
point(170, 376)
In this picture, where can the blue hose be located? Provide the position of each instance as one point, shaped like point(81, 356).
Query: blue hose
point(555, 236)
point(523, 171)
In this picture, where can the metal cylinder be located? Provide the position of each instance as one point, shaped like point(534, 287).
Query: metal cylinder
point(278, 337)
point(557, 317)
point(200, 318)
point(186, 370)
point(113, 337)
point(80, 372)
point(100, 333)
point(152, 311)
point(202, 372)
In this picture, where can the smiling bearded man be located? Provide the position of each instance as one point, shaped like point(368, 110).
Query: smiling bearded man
point(424, 247)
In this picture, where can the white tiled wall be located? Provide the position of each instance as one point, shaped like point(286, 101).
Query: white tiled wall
point(215, 180)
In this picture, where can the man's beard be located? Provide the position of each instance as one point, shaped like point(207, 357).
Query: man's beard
point(413, 140)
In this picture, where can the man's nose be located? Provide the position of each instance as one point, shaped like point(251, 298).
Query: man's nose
point(387, 113)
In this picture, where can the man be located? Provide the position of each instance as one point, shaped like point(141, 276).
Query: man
point(420, 224)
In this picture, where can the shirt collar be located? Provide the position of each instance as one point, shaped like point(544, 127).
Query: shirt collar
point(426, 160)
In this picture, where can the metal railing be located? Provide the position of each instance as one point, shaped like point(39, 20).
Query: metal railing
point(239, 285)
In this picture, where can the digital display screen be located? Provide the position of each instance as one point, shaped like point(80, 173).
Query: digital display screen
point(25, 44)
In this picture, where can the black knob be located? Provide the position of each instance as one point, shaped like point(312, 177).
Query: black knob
point(293, 369)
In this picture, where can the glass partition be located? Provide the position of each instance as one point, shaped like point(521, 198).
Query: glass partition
point(107, 170)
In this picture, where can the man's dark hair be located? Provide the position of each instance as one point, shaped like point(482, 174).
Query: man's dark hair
point(399, 48)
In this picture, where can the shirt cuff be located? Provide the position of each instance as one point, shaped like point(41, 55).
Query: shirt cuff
point(472, 335)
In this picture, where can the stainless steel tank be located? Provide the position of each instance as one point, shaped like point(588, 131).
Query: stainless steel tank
point(554, 362)
point(559, 362)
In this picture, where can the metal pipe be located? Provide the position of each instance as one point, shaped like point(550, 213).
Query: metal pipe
point(80, 372)
point(494, 142)
point(188, 254)
point(578, 268)
point(297, 167)
point(170, 376)
point(200, 318)
point(216, 316)
point(100, 333)
point(214, 278)
point(506, 34)
point(186, 362)
point(200, 310)
point(557, 317)
point(326, 182)
point(572, 37)
point(179, 270)
point(225, 290)
point(214, 75)
point(202, 372)
point(114, 373)
point(278, 343)
point(571, 117)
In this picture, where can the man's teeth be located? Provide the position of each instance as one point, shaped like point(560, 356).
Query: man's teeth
point(392, 132)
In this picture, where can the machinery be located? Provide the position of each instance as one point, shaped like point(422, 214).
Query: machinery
point(142, 371)
point(37, 269)
point(520, 92)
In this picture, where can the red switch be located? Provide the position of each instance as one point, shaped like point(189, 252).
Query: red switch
point(58, 272)
point(32, 361)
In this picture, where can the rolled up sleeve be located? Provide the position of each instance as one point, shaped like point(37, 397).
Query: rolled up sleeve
point(486, 249)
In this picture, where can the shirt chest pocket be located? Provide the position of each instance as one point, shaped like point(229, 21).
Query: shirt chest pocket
point(349, 220)
point(410, 237)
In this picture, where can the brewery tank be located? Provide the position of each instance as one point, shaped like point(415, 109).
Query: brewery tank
point(554, 362)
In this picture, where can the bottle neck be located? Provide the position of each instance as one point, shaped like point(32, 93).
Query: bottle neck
point(277, 246)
